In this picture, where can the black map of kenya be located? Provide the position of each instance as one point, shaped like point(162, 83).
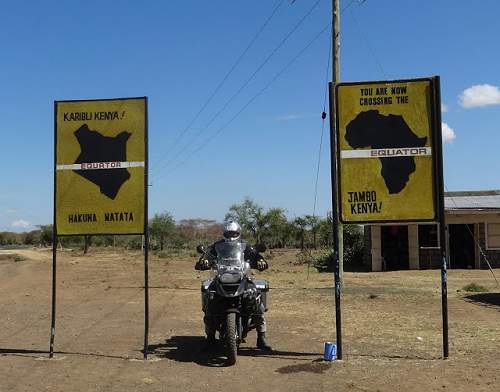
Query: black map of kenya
point(372, 129)
point(98, 148)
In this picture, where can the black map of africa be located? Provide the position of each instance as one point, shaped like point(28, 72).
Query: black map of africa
point(98, 148)
point(374, 130)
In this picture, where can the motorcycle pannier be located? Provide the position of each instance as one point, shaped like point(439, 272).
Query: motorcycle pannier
point(263, 286)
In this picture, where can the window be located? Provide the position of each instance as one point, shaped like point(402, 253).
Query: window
point(428, 236)
point(493, 235)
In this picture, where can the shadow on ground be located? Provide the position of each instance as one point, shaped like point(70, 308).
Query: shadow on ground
point(44, 353)
point(21, 352)
point(318, 366)
point(485, 299)
point(189, 349)
point(194, 349)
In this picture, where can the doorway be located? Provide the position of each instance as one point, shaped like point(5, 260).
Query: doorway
point(462, 249)
point(394, 248)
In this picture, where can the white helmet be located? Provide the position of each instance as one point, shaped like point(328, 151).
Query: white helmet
point(232, 231)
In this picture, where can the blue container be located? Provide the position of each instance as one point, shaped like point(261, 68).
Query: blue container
point(330, 351)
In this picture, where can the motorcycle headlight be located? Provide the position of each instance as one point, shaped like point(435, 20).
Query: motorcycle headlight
point(230, 277)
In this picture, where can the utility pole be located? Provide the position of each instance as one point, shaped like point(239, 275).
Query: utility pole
point(335, 79)
point(337, 228)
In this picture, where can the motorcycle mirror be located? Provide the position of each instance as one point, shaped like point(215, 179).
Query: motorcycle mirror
point(200, 249)
point(261, 248)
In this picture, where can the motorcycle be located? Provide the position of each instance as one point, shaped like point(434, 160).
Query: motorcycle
point(231, 296)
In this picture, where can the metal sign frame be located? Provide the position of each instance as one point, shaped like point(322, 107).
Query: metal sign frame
point(436, 153)
point(145, 232)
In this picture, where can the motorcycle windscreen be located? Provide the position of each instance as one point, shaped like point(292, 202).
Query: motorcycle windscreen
point(230, 253)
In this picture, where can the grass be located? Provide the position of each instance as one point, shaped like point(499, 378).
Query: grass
point(474, 288)
point(162, 254)
point(168, 253)
point(18, 258)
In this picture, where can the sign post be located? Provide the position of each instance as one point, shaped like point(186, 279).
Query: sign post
point(338, 234)
point(442, 226)
point(100, 174)
point(389, 157)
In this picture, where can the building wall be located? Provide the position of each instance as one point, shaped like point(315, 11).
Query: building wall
point(413, 249)
point(492, 255)
point(430, 258)
point(425, 258)
point(376, 248)
point(480, 220)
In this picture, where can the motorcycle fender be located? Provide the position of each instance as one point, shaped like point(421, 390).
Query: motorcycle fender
point(241, 288)
point(239, 291)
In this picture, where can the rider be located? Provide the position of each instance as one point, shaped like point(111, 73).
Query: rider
point(232, 232)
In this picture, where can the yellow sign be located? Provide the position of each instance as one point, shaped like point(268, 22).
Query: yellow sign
point(100, 166)
point(386, 151)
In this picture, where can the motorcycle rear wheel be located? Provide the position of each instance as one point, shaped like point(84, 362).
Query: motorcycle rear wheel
point(231, 339)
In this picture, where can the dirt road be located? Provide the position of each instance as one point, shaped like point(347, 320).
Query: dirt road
point(392, 329)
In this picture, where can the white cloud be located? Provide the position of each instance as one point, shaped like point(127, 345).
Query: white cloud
point(21, 224)
point(444, 108)
point(480, 95)
point(290, 117)
point(448, 133)
point(11, 211)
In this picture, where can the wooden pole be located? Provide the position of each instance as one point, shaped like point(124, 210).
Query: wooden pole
point(337, 227)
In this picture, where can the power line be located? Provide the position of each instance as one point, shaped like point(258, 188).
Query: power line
point(323, 117)
point(223, 81)
point(367, 43)
point(245, 84)
point(249, 102)
point(160, 176)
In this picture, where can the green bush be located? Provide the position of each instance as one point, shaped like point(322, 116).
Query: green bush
point(324, 262)
point(303, 257)
point(163, 254)
point(474, 288)
point(18, 258)
point(134, 242)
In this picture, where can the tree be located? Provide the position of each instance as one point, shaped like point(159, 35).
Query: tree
point(87, 242)
point(10, 238)
point(250, 216)
point(353, 247)
point(161, 227)
point(278, 230)
point(300, 225)
point(325, 231)
point(312, 221)
point(45, 235)
point(32, 237)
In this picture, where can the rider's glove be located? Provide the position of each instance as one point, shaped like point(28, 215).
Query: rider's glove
point(202, 264)
point(250, 293)
point(262, 265)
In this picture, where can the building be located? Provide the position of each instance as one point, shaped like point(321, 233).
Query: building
point(473, 229)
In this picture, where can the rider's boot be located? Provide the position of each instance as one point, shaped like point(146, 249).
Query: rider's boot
point(211, 341)
point(210, 332)
point(262, 343)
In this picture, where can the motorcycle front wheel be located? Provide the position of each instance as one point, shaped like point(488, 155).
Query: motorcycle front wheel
point(231, 336)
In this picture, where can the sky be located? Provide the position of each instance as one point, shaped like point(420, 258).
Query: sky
point(263, 124)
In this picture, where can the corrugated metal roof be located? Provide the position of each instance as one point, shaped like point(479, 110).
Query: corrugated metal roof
point(477, 200)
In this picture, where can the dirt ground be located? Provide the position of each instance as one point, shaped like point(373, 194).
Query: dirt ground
point(391, 329)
